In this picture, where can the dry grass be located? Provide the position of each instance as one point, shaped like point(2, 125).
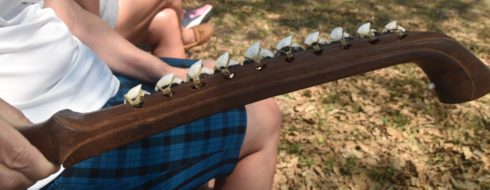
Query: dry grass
point(379, 130)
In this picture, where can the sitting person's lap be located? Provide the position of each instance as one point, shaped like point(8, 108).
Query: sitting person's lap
point(183, 157)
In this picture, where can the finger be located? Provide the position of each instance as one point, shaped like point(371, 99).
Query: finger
point(179, 72)
point(12, 115)
point(209, 63)
point(18, 154)
point(10, 179)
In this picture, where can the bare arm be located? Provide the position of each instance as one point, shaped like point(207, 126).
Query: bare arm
point(121, 56)
point(21, 164)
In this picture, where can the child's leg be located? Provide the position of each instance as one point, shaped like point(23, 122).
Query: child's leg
point(164, 35)
point(137, 18)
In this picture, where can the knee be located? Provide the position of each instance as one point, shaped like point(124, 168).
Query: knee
point(263, 128)
point(274, 118)
point(165, 21)
point(267, 116)
point(166, 16)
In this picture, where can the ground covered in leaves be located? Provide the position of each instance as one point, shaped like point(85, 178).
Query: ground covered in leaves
point(380, 130)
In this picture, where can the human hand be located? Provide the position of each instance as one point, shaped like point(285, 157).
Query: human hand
point(179, 72)
point(182, 73)
point(21, 164)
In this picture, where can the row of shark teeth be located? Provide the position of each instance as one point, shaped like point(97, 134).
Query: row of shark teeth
point(135, 95)
point(313, 40)
point(255, 54)
point(365, 31)
point(338, 34)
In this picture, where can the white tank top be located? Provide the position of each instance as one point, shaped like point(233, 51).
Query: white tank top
point(44, 68)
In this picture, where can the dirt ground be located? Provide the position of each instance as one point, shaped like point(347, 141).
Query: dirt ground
point(380, 130)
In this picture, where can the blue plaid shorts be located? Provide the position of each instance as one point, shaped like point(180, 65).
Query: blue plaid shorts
point(181, 158)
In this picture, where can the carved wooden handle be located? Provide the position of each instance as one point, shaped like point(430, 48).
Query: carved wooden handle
point(70, 137)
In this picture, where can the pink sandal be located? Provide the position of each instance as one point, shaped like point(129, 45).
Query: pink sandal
point(197, 16)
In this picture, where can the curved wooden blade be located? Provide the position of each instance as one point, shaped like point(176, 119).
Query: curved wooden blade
point(70, 137)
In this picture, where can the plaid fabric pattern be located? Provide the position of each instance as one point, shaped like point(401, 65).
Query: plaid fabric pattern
point(181, 158)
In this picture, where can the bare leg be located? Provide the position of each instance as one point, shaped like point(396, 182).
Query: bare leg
point(256, 168)
point(164, 35)
point(135, 18)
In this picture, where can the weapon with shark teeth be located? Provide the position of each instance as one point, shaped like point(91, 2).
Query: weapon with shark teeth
point(458, 76)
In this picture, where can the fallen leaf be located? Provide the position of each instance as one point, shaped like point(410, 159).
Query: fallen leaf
point(464, 185)
point(467, 152)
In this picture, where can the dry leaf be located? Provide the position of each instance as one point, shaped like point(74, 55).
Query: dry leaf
point(467, 152)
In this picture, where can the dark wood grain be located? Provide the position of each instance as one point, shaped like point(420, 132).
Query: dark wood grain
point(70, 137)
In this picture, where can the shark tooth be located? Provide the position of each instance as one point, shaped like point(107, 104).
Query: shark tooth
point(312, 38)
point(285, 43)
point(337, 34)
point(253, 51)
point(134, 96)
point(223, 60)
point(266, 53)
point(195, 70)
